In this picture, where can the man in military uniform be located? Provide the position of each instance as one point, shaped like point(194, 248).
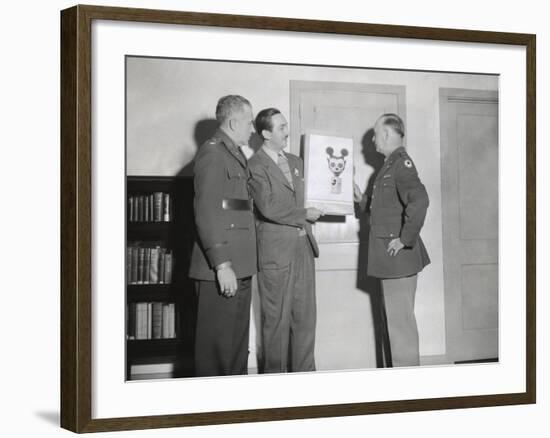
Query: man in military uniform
point(396, 252)
point(286, 250)
point(224, 255)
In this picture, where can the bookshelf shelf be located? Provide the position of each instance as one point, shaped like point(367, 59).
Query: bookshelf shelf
point(154, 347)
point(150, 230)
point(163, 313)
point(155, 292)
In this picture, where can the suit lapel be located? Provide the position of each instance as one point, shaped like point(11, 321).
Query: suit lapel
point(274, 169)
point(294, 171)
point(297, 180)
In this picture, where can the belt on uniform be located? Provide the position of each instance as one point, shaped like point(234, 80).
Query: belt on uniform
point(236, 204)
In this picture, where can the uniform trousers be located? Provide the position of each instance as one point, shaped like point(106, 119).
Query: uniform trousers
point(287, 297)
point(221, 342)
point(399, 295)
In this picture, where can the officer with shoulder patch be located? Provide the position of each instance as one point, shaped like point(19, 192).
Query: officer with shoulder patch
point(224, 254)
point(396, 253)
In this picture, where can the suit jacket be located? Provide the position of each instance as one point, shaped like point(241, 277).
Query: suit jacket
point(398, 208)
point(225, 230)
point(280, 209)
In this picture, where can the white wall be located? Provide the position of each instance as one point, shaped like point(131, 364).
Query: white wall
point(167, 98)
point(29, 86)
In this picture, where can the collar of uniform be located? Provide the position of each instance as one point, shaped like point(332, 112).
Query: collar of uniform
point(272, 154)
point(223, 136)
point(394, 154)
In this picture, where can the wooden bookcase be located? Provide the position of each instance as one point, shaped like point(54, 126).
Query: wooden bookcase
point(177, 235)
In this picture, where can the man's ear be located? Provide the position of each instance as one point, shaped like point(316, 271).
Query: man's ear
point(232, 124)
point(266, 134)
point(386, 133)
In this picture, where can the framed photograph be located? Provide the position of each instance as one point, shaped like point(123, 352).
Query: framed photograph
point(328, 161)
point(421, 152)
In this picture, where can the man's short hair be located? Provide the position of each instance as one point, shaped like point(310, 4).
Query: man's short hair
point(395, 122)
point(229, 105)
point(263, 120)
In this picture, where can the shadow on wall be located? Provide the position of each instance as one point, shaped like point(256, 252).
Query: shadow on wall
point(371, 285)
point(204, 129)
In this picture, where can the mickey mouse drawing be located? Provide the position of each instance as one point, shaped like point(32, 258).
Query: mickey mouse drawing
point(336, 165)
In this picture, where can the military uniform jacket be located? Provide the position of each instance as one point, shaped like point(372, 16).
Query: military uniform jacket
point(398, 208)
point(223, 212)
point(280, 210)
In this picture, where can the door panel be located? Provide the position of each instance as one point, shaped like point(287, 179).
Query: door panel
point(478, 176)
point(469, 184)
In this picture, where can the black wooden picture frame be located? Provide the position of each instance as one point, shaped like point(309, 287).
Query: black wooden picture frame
point(76, 217)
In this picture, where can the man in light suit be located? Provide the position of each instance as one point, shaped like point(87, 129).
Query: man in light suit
point(224, 254)
point(286, 250)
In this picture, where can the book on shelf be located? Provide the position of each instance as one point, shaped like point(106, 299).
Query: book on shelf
point(130, 211)
point(131, 321)
point(151, 320)
point(168, 268)
point(150, 207)
point(148, 263)
point(156, 320)
point(134, 265)
point(146, 208)
point(140, 319)
point(166, 207)
point(162, 261)
point(141, 216)
point(154, 267)
point(147, 266)
point(141, 266)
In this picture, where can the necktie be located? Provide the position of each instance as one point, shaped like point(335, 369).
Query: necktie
point(282, 162)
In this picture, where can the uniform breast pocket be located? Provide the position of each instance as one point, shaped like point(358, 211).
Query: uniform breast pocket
point(237, 186)
point(236, 174)
point(389, 193)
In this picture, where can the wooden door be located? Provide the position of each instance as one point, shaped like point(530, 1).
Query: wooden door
point(348, 321)
point(469, 185)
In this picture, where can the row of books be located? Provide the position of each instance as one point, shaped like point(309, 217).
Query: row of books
point(151, 320)
point(148, 264)
point(153, 207)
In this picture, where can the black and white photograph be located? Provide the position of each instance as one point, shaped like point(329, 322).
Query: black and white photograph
point(293, 218)
point(275, 219)
point(267, 219)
